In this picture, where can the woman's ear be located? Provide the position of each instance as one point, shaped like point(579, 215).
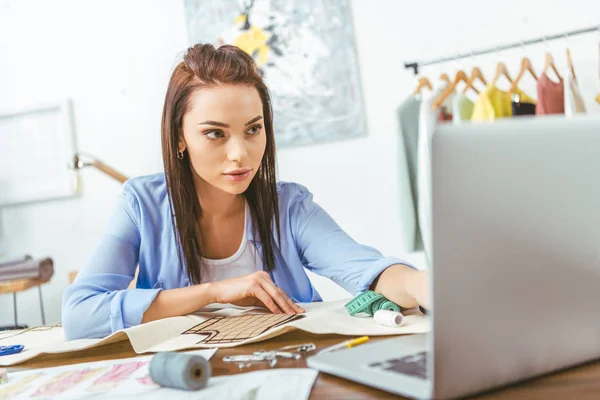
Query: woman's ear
point(181, 146)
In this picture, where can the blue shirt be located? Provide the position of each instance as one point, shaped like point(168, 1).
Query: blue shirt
point(140, 232)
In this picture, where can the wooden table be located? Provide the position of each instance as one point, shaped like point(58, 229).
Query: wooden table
point(578, 383)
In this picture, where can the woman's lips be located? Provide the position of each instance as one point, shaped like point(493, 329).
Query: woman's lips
point(238, 176)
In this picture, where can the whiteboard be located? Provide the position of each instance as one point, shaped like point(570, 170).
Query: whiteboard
point(37, 144)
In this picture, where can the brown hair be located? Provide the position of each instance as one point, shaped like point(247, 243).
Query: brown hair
point(204, 66)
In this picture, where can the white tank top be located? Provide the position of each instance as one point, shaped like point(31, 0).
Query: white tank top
point(246, 260)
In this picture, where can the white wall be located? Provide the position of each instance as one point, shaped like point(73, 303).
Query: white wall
point(113, 58)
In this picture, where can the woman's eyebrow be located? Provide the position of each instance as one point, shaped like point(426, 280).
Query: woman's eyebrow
point(253, 120)
point(223, 125)
point(215, 123)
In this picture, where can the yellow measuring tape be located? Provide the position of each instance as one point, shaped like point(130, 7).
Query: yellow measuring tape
point(369, 302)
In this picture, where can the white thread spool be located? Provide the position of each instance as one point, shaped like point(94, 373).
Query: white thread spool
point(180, 370)
point(388, 318)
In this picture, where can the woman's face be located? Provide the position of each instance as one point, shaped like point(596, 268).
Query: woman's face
point(224, 136)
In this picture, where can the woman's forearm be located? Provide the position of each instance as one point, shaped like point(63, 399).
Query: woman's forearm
point(403, 285)
point(181, 301)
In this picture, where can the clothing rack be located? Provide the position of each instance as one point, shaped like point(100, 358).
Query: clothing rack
point(415, 65)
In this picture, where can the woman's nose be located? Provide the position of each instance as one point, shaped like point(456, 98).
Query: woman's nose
point(237, 150)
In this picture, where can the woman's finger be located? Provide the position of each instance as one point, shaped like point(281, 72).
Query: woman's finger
point(263, 296)
point(295, 306)
point(278, 296)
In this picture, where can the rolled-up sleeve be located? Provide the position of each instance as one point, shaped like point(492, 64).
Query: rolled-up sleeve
point(98, 302)
point(329, 251)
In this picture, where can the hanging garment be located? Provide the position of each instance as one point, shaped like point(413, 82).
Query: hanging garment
point(428, 120)
point(445, 114)
point(408, 125)
point(574, 103)
point(462, 108)
point(551, 96)
point(494, 103)
point(521, 108)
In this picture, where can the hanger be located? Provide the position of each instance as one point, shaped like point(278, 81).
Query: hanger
point(549, 63)
point(460, 76)
point(423, 82)
point(569, 59)
point(445, 78)
point(475, 74)
point(570, 64)
point(501, 70)
point(525, 67)
point(469, 84)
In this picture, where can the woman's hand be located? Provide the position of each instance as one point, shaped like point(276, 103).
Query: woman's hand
point(419, 288)
point(256, 289)
point(405, 286)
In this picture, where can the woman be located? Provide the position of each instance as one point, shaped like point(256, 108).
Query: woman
point(216, 227)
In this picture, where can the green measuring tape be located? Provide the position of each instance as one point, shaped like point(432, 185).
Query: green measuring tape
point(369, 302)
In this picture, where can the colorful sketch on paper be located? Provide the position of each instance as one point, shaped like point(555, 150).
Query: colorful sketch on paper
point(305, 52)
point(146, 381)
point(11, 390)
point(65, 382)
point(117, 375)
point(238, 328)
point(111, 379)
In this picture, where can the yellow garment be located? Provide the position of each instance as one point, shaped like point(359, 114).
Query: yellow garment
point(494, 103)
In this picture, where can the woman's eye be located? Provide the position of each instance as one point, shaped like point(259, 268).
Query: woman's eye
point(214, 135)
point(255, 130)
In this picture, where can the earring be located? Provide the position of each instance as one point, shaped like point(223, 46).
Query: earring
point(180, 155)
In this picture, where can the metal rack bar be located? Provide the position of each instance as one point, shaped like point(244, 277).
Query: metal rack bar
point(416, 64)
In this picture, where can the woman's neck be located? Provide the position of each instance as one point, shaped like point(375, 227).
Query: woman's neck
point(217, 204)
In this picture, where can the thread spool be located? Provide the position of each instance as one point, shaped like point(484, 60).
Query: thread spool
point(3, 376)
point(180, 370)
point(388, 318)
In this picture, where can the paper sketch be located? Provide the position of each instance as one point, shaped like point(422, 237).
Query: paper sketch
point(12, 390)
point(73, 383)
point(114, 379)
point(65, 382)
point(117, 375)
point(146, 381)
point(239, 328)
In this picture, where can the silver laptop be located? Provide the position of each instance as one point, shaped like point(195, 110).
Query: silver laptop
point(515, 267)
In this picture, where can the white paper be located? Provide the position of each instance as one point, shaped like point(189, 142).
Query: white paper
point(285, 383)
point(169, 334)
point(103, 379)
point(128, 378)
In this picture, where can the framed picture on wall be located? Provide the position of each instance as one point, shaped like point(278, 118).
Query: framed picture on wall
point(38, 143)
point(306, 54)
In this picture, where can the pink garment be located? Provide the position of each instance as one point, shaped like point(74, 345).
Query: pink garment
point(551, 96)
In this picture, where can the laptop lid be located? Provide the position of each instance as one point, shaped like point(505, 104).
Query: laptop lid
point(516, 250)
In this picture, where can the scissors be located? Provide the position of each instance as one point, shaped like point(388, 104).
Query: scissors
point(7, 350)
